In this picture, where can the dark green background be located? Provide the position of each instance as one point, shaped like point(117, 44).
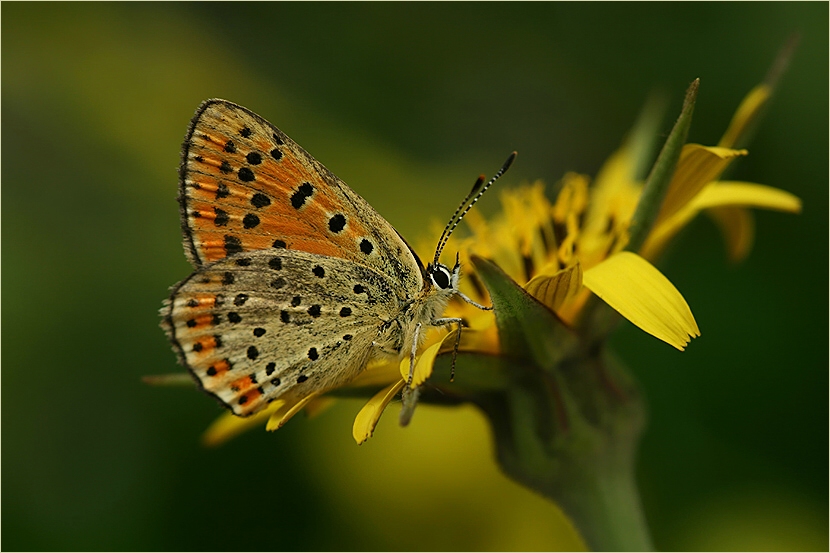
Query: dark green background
point(408, 103)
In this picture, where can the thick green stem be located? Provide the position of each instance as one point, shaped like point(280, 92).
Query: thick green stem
point(568, 421)
point(608, 513)
point(572, 436)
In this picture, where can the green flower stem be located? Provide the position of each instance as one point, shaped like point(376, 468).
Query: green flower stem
point(568, 422)
point(573, 439)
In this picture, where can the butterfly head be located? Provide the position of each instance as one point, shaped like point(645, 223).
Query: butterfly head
point(444, 278)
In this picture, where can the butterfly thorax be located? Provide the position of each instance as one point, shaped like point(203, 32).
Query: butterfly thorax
point(396, 336)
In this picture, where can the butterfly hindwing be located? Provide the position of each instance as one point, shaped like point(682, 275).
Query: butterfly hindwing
point(262, 325)
point(245, 185)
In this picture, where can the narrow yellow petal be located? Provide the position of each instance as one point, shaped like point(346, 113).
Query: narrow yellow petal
point(738, 228)
point(747, 194)
point(285, 411)
point(555, 290)
point(697, 167)
point(424, 362)
point(229, 425)
point(719, 194)
point(749, 109)
point(369, 415)
point(641, 294)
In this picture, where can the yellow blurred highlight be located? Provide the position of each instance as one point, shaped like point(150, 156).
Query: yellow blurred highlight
point(432, 486)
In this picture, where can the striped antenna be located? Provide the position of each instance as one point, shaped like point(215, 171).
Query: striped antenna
point(475, 189)
point(475, 194)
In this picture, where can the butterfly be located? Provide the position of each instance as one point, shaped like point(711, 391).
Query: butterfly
point(298, 282)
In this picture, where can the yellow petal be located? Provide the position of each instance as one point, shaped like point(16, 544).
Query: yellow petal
point(641, 294)
point(424, 362)
point(745, 114)
point(369, 415)
point(479, 341)
point(378, 372)
point(747, 194)
point(287, 410)
point(554, 290)
point(229, 425)
point(697, 167)
point(719, 194)
point(738, 228)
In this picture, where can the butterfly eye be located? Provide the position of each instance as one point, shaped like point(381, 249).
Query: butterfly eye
point(441, 276)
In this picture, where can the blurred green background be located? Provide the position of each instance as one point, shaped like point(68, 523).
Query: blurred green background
point(408, 103)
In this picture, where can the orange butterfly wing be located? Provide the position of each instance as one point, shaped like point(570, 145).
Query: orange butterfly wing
point(245, 185)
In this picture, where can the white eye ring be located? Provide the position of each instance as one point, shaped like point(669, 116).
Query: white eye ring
point(444, 279)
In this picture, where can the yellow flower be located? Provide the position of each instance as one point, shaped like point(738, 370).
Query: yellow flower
point(564, 251)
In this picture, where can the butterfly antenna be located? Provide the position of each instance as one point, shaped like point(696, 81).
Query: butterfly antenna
point(475, 189)
point(475, 194)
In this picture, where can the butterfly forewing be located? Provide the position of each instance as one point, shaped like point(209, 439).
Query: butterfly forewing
point(247, 186)
point(263, 325)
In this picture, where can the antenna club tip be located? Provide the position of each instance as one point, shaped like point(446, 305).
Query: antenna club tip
point(479, 181)
point(509, 161)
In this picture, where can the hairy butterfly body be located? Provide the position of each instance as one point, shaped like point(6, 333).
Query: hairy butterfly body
point(298, 281)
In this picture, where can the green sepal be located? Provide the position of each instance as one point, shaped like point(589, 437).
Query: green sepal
point(657, 183)
point(528, 330)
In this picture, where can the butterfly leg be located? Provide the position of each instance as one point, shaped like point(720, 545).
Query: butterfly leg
point(415, 341)
point(446, 322)
point(473, 303)
point(409, 397)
